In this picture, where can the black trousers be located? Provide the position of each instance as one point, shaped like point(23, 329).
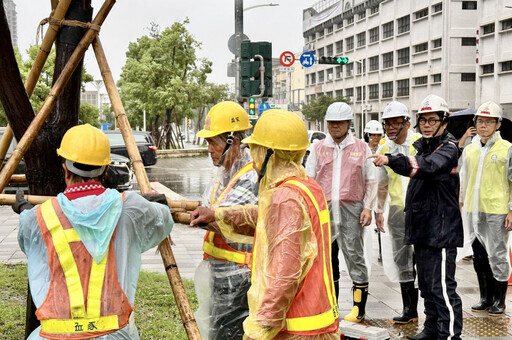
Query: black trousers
point(436, 280)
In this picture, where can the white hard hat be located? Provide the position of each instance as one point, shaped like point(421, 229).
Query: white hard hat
point(374, 127)
point(433, 103)
point(339, 111)
point(395, 109)
point(489, 109)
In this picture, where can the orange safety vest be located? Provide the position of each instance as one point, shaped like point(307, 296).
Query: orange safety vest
point(314, 309)
point(214, 244)
point(84, 301)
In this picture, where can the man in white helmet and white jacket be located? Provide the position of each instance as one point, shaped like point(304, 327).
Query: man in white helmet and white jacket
point(339, 164)
point(392, 187)
point(486, 188)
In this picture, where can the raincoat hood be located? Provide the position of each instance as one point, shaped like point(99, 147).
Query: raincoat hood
point(477, 140)
point(94, 219)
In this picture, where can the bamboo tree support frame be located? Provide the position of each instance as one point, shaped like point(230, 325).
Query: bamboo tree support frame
point(37, 67)
point(49, 103)
point(187, 315)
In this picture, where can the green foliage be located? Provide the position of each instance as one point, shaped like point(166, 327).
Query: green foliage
point(315, 111)
point(89, 114)
point(156, 313)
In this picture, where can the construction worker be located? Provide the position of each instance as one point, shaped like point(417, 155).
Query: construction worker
point(224, 272)
point(373, 133)
point(339, 163)
point(398, 257)
point(433, 223)
point(486, 182)
point(84, 246)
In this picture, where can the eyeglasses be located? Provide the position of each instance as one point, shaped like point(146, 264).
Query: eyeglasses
point(431, 121)
point(485, 122)
point(393, 125)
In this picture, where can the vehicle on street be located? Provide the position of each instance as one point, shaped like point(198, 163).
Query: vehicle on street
point(313, 137)
point(144, 142)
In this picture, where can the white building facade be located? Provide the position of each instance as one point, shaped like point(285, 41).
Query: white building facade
point(12, 20)
point(398, 50)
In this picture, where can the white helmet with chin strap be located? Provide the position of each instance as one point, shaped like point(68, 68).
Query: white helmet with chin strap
point(339, 111)
point(433, 103)
point(393, 110)
point(374, 127)
point(489, 109)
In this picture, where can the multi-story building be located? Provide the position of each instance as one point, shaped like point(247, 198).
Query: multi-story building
point(494, 53)
point(12, 20)
point(397, 49)
point(287, 85)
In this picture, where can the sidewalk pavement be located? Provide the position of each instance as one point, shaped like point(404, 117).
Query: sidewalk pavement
point(384, 301)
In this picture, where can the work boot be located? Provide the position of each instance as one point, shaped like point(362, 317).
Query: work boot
point(486, 284)
point(500, 292)
point(424, 335)
point(358, 313)
point(410, 302)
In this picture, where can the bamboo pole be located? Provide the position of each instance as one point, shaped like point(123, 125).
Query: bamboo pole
point(50, 101)
point(187, 316)
point(18, 179)
point(6, 199)
point(35, 71)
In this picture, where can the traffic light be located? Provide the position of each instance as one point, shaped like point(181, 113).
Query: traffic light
point(252, 107)
point(333, 60)
point(250, 74)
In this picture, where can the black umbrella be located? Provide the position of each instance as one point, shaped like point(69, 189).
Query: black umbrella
point(460, 121)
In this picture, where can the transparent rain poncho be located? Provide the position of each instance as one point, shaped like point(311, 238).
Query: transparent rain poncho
point(486, 191)
point(284, 247)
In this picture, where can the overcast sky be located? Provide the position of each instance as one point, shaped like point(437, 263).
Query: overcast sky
point(211, 22)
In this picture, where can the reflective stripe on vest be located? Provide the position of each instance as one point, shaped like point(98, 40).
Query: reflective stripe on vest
point(214, 245)
point(79, 315)
point(313, 322)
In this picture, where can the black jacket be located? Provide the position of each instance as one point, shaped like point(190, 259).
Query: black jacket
point(432, 215)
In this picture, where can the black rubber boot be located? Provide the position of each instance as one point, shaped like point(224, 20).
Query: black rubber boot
point(486, 284)
point(410, 302)
point(424, 335)
point(358, 312)
point(500, 293)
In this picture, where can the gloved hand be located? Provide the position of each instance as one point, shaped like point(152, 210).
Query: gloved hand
point(21, 203)
point(156, 197)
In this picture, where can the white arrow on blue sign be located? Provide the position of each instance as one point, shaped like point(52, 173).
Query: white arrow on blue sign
point(307, 59)
point(263, 107)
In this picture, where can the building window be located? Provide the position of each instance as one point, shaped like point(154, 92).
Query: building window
point(313, 78)
point(421, 13)
point(489, 68)
point(339, 93)
point(339, 46)
point(402, 87)
point(403, 56)
point(350, 20)
point(468, 4)
point(436, 43)
point(330, 29)
point(387, 60)
point(506, 66)
point(361, 95)
point(420, 80)
point(387, 90)
point(374, 63)
point(321, 76)
point(436, 78)
point(349, 92)
point(387, 30)
point(403, 24)
point(329, 74)
point(339, 25)
point(320, 52)
point(350, 69)
point(373, 91)
point(329, 94)
point(349, 43)
point(362, 15)
point(506, 24)
point(488, 29)
point(420, 47)
point(339, 72)
point(321, 33)
point(374, 34)
point(468, 41)
point(374, 10)
point(361, 67)
point(437, 7)
point(467, 76)
point(361, 39)
point(329, 50)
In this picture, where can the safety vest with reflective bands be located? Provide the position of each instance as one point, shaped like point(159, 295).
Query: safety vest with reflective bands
point(314, 309)
point(214, 244)
point(489, 171)
point(86, 300)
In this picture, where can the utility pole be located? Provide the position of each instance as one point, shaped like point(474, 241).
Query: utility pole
point(239, 32)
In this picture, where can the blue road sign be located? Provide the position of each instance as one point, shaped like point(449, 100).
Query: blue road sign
point(307, 59)
point(264, 107)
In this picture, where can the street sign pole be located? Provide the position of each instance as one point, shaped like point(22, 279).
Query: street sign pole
point(239, 32)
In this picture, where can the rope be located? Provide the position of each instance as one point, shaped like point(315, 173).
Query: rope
point(63, 22)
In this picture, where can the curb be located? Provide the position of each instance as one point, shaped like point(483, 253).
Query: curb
point(176, 153)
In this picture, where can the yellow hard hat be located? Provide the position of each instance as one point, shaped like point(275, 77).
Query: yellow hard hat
point(280, 130)
point(85, 144)
point(224, 117)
